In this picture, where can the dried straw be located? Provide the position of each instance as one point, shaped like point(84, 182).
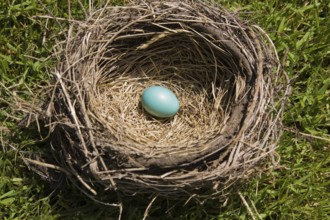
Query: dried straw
point(225, 72)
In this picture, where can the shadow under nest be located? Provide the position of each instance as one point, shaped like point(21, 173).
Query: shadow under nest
point(225, 73)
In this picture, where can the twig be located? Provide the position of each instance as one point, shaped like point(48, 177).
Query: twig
point(307, 135)
point(43, 164)
point(246, 205)
point(146, 212)
point(255, 209)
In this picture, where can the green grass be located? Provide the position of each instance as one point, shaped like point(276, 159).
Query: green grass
point(298, 189)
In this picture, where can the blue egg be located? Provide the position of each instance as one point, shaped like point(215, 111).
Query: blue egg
point(160, 102)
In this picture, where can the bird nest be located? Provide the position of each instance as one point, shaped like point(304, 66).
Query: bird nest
point(224, 72)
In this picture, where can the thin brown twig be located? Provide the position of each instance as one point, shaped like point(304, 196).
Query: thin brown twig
point(306, 134)
point(246, 205)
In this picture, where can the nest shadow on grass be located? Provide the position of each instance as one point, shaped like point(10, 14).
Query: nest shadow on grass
point(225, 72)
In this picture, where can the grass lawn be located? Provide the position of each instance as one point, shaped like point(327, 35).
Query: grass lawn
point(297, 189)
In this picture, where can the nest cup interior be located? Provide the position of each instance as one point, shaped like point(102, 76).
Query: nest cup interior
point(198, 72)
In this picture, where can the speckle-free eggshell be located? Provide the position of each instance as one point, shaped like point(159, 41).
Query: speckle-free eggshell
point(160, 101)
